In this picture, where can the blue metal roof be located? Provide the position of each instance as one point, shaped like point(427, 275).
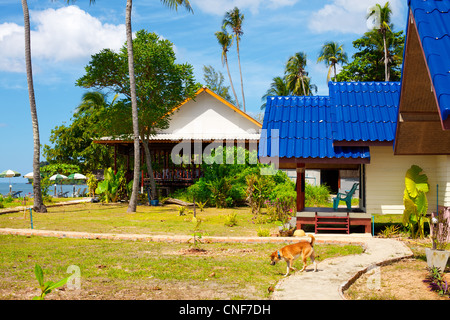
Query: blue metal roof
point(364, 111)
point(433, 24)
point(307, 127)
point(301, 127)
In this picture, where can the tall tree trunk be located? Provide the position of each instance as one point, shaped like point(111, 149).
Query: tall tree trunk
point(240, 71)
point(386, 73)
point(303, 83)
point(133, 201)
point(38, 205)
point(148, 161)
point(334, 68)
point(231, 82)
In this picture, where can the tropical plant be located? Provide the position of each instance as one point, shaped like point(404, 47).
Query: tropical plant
point(382, 16)
point(162, 85)
point(220, 189)
point(317, 196)
point(173, 4)
point(436, 282)
point(263, 232)
point(225, 40)
point(415, 201)
point(368, 60)
point(38, 205)
point(215, 81)
point(331, 54)
point(278, 87)
point(92, 184)
point(234, 19)
point(201, 205)
point(109, 187)
point(258, 190)
point(296, 76)
point(73, 143)
point(181, 210)
point(134, 109)
point(197, 233)
point(46, 287)
point(231, 219)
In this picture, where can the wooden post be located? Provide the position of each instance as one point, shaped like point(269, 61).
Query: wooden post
point(300, 187)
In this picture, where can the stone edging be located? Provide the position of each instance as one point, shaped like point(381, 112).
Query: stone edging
point(344, 286)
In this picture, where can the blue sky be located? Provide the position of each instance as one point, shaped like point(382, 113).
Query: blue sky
point(64, 37)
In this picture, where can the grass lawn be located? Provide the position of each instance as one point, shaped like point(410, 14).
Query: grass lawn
point(113, 218)
point(143, 270)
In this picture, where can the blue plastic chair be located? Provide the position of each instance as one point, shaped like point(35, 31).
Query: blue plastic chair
point(347, 197)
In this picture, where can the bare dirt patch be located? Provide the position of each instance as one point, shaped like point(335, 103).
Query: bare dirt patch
point(402, 280)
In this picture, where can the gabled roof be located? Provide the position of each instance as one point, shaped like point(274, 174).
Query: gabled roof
point(423, 126)
point(206, 117)
point(225, 102)
point(432, 19)
point(364, 111)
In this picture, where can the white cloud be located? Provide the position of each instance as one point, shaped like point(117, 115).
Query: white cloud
point(219, 7)
point(347, 16)
point(60, 35)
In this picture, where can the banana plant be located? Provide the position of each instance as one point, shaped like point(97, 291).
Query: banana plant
point(415, 201)
point(109, 187)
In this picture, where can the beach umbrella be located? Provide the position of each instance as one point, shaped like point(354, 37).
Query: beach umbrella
point(77, 176)
point(9, 174)
point(58, 177)
point(29, 175)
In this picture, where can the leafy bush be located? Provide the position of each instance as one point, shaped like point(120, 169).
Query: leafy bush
point(263, 232)
point(316, 196)
point(231, 220)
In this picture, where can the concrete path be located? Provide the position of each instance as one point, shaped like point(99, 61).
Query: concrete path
point(335, 275)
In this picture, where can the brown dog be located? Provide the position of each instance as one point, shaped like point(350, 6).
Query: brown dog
point(293, 251)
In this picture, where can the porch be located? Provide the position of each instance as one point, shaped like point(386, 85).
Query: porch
point(327, 219)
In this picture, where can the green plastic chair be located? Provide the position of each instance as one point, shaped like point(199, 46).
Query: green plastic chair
point(347, 197)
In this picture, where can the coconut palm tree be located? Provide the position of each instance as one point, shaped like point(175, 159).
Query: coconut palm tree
point(295, 74)
point(38, 205)
point(234, 19)
point(172, 4)
point(278, 87)
point(332, 53)
point(225, 40)
point(382, 16)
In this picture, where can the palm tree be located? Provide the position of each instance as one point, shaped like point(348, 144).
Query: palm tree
point(225, 39)
point(172, 4)
point(278, 87)
point(38, 205)
point(234, 19)
point(134, 110)
point(332, 53)
point(296, 74)
point(382, 16)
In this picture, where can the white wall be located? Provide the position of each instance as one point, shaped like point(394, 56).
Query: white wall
point(385, 180)
point(210, 117)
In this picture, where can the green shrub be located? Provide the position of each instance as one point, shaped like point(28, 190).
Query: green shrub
point(231, 220)
point(263, 232)
point(316, 196)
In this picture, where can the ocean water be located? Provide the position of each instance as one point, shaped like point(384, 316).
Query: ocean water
point(27, 189)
